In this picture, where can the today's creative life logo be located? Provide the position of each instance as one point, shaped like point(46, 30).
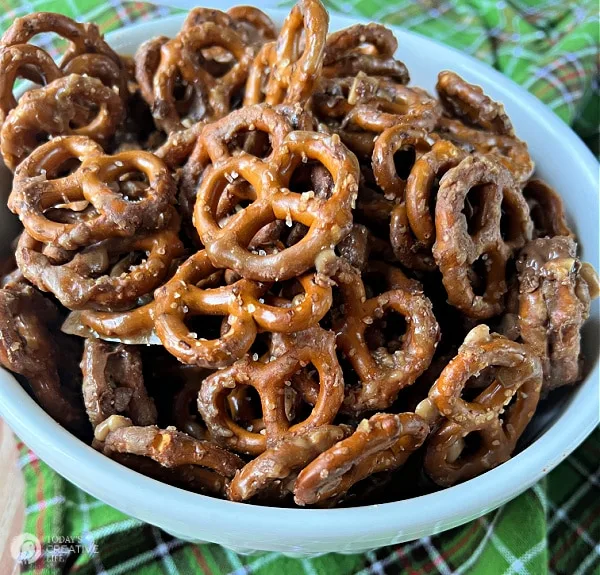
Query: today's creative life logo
point(26, 548)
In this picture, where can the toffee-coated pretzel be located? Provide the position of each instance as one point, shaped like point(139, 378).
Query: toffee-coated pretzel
point(28, 347)
point(290, 75)
point(412, 226)
point(382, 373)
point(555, 291)
point(113, 383)
point(498, 415)
point(279, 464)
point(178, 59)
point(467, 102)
point(546, 210)
point(83, 38)
point(102, 276)
point(499, 225)
point(382, 443)
point(39, 185)
point(181, 298)
point(315, 346)
point(170, 448)
point(329, 220)
point(23, 61)
point(71, 105)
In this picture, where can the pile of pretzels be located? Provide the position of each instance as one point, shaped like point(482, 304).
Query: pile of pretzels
point(261, 265)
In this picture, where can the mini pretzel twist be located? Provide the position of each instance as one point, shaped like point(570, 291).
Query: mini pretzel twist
point(179, 59)
point(113, 383)
point(366, 48)
point(383, 373)
point(546, 210)
point(39, 185)
point(315, 346)
point(28, 347)
point(23, 61)
point(279, 465)
point(72, 105)
point(412, 227)
point(499, 225)
point(175, 450)
point(467, 102)
point(555, 291)
point(382, 443)
point(102, 276)
point(290, 76)
point(328, 219)
point(498, 415)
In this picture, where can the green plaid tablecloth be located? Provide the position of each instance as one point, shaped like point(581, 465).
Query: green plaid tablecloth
point(551, 48)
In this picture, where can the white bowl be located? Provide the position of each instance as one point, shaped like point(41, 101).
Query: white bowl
point(564, 161)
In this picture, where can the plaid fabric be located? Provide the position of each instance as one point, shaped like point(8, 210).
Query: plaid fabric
point(552, 49)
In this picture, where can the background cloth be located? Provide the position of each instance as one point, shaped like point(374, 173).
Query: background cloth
point(552, 49)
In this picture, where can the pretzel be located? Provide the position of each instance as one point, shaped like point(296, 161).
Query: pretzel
point(38, 185)
point(85, 279)
point(498, 415)
point(511, 152)
point(147, 59)
point(23, 61)
point(366, 48)
point(180, 297)
point(133, 327)
point(279, 464)
point(28, 347)
point(329, 220)
point(113, 383)
point(546, 210)
point(171, 449)
point(412, 227)
point(83, 38)
point(315, 346)
point(109, 71)
point(382, 443)
point(382, 374)
point(252, 24)
point(467, 102)
point(289, 76)
point(555, 291)
point(185, 407)
point(459, 243)
point(178, 59)
point(72, 105)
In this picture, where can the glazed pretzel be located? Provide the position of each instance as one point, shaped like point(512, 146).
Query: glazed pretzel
point(181, 297)
point(555, 291)
point(459, 244)
point(38, 186)
point(546, 210)
point(23, 61)
point(468, 103)
point(278, 465)
point(252, 24)
point(329, 220)
point(112, 73)
point(382, 373)
point(170, 448)
point(269, 379)
point(382, 443)
point(72, 105)
point(498, 415)
point(147, 59)
point(83, 38)
point(102, 276)
point(29, 347)
point(290, 76)
point(363, 48)
point(412, 227)
point(113, 383)
point(179, 59)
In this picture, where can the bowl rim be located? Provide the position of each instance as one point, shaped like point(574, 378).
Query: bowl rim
point(467, 500)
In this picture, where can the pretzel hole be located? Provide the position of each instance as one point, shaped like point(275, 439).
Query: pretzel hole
point(510, 219)
point(473, 208)
point(254, 142)
point(386, 333)
point(404, 160)
point(84, 113)
point(477, 382)
point(311, 178)
point(245, 408)
point(133, 186)
point(478, 274)
point(466, 448)
point(128, 263)
point(208, 327)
